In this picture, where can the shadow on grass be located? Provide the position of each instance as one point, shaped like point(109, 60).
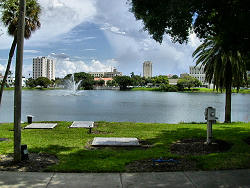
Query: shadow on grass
point(79, 159)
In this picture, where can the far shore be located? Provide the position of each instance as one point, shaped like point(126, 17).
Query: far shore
point(191, 90)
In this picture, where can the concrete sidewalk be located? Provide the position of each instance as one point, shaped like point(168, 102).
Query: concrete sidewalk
point(196, 179)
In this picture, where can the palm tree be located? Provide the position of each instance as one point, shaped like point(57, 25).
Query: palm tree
point(10, 20)
point(222, 66)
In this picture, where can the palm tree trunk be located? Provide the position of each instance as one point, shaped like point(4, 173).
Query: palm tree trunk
point(11, 53)
point(228, 103)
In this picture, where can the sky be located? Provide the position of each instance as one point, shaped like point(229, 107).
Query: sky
point(96, 35)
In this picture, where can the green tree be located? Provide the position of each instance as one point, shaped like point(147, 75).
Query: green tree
point(223, 67)
point(9, 9)
point(111, 83)
point(87, 81)
point(43, 82)
point(227, 19)
point(174, 77)
point(158, 80)
point(30, 83)
point(188, 81)
point(123, 81)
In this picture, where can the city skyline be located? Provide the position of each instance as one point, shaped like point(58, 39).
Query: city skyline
point(92, 37)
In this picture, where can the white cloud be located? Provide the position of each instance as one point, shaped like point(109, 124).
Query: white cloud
point(89, 49)
point(57, 17)
point(2, 68)
point(31, 51)
point(66, 65)
point(113, 29)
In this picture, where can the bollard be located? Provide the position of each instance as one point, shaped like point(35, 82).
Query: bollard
point(210, 117)
point(24, 152)
point(29, 119)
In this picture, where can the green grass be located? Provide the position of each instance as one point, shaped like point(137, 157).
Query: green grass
point(69, 145)
point(144, 89)
point(206, 90)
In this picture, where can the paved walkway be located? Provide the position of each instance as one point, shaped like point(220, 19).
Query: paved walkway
point(198, 179)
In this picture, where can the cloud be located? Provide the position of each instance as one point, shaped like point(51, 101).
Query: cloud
point(31, 51)
point(67, 65)
point(113, 29)
point(2, 69)
point(89, 49)
point(57, 17)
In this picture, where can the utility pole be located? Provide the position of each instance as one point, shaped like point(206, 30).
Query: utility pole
point(18, 82)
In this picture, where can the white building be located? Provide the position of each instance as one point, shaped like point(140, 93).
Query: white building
point(43, 67)
point(11, 81)
point(106, 74)
point(147, 69)
point(199, 73)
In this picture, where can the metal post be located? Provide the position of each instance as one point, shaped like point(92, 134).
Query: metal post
point(209, 132)
point(18, 82)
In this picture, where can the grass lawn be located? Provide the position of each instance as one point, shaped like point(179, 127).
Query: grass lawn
point(69, 145)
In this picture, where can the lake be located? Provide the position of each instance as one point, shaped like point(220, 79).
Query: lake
point(133, 106)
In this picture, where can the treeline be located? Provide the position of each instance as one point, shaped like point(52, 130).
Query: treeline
point(124, 82)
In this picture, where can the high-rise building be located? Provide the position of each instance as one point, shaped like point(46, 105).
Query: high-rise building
point(43, 67)
point(147, 69)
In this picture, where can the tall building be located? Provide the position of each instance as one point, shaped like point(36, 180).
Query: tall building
point(147, 69)
point(43, 67)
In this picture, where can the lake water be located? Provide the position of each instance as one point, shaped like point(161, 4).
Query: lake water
point(133, 106)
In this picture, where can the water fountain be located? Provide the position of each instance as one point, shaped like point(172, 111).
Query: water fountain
point(72, 85)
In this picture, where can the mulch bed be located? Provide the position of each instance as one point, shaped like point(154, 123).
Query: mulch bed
point(197, 146)
point(37, 162)
point(150, 166)
point(247, 140)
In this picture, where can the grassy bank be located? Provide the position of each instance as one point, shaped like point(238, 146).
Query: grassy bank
point(192, 90)
point(69, 145)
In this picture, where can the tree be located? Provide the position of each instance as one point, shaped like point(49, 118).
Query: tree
point(30, 83)
point(9, 18)
point(123, 81)
point(223, 67)
point(87, 79)
point(227, 19)
point(188, 81)
point(158, 80)
point(174, 77)
point(43, 82)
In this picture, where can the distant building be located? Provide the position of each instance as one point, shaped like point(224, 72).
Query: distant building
point(198, 72)
point(43, 67)
point(183, 75)
point(11, 81)
point(147, 69)
point(173, 81)
point(106, 74)
point(105, 80)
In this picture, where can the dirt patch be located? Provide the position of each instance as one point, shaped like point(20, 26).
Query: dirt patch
point(197, 146)
point(247, 140)
point(36, 163)
point(165, 166)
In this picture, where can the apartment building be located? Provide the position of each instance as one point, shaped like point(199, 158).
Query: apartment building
point(43, 67)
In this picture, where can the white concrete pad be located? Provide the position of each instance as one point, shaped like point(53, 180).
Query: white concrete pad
point(82, 124)
point(41, 126)
point(114, 141)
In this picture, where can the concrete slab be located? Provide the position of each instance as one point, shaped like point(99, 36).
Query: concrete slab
point(82, 124)
point(86, 180)
point(224, 178)
point(24, 180)
point(156, 179)
point(41, 126)
point(114, 141)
